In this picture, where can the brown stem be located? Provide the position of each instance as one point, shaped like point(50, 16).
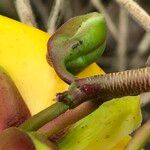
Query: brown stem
point(106, 87)
point(140, 15)
point(68, 118)
point(25, 12)
point(102, 88)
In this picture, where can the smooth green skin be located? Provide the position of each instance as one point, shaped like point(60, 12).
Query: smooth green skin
point(77, 65)
point(77, 44)
point(43, 117)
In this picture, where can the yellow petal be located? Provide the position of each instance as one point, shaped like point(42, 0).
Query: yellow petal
point(122, 144)
point(23, 55)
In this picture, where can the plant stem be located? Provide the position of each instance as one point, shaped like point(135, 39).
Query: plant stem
point(68, 118)
point(140, 138)
point(98, 88)
point(54, 16)
point(136, 12)
point(122, 40)
point(25, 12)
point(143, 48)
point(40, 119)
point(106, 87)
point(101, 88)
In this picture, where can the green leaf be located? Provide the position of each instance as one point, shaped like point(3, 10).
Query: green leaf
point(105, 127)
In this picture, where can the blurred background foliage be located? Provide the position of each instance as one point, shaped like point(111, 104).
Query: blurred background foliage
point(70, 8)
point(130, 50)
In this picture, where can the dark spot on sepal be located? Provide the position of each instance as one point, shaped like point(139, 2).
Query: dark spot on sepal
point(77, 44)
point(81, 42)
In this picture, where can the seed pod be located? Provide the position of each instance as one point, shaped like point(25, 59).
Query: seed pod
point(76, 44)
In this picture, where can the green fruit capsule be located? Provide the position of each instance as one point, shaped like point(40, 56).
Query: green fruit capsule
point(77, 44)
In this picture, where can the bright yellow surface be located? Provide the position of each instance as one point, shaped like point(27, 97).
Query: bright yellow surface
point(122, 143)
point(23, 55)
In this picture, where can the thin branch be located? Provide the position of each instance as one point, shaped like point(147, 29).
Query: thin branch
point(136, 12)
point(142, 47)
point(42, 10)
point(66, 10)
point(140, 138)
point(148, 61)
point(145, 99)
point(54, 16)
point(86, 9)
point(69, 117)
point(144, 44)
point(100, 7)
point(99, 89)
point(122, 40)
point(25, 13)
point(105, 87)
point(107, 60)
point(37, 121)
point(91, 91)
